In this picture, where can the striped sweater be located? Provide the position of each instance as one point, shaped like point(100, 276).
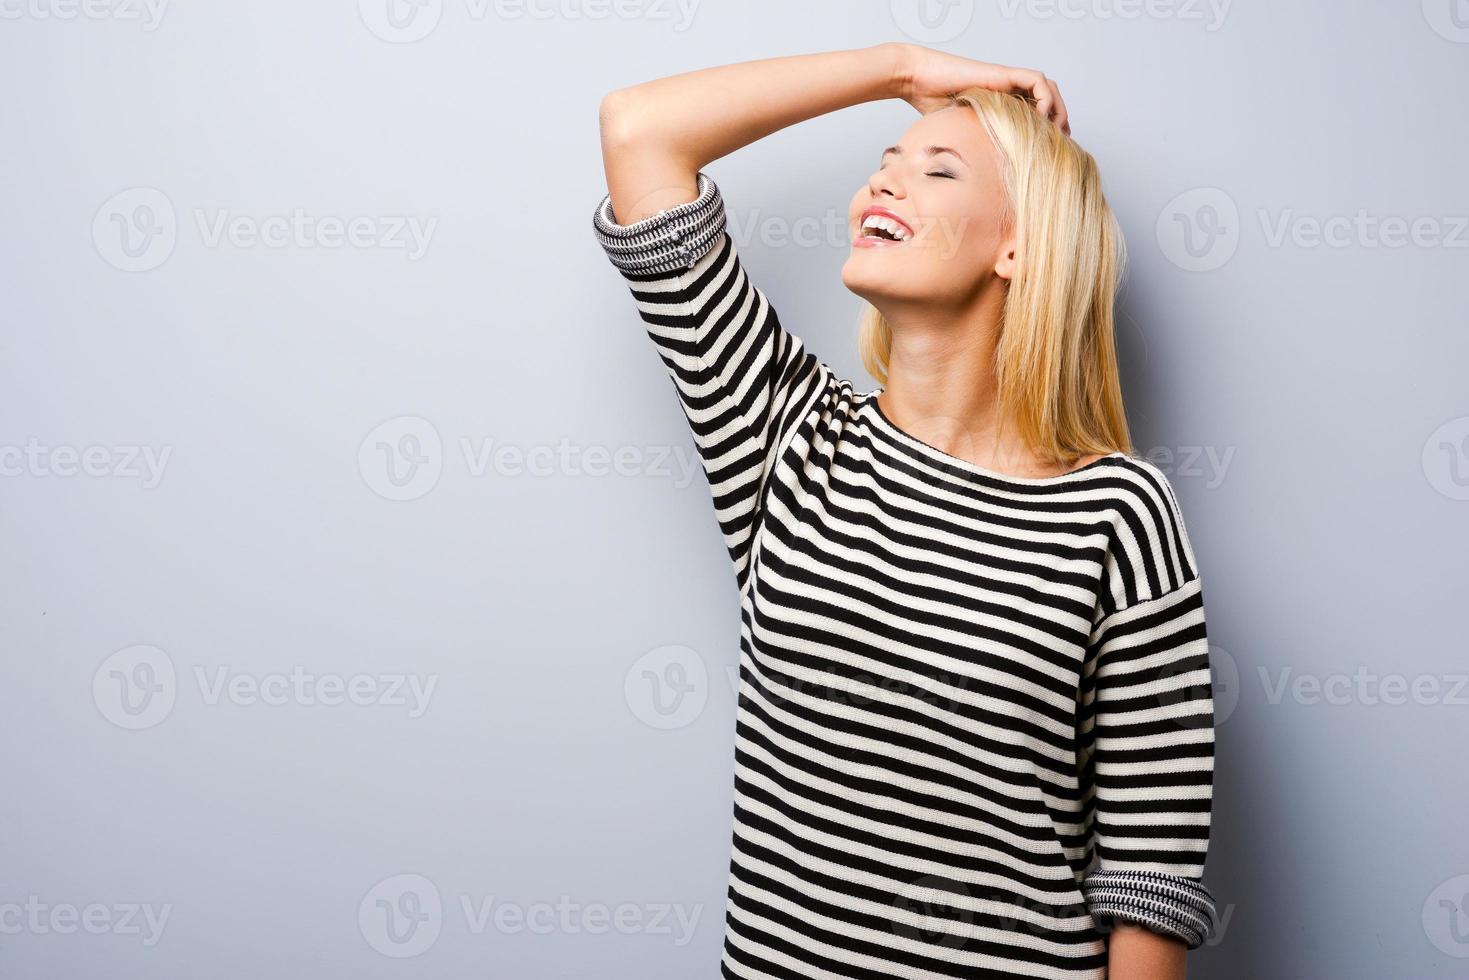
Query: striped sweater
point(975, 722)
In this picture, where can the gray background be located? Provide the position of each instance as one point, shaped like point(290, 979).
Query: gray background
point(329, 494)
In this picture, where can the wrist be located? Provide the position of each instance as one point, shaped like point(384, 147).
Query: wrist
point(897, 59)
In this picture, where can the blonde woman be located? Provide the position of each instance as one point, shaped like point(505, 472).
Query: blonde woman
point(975, 728)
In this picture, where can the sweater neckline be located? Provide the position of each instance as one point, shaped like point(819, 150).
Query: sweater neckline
point(955, 462)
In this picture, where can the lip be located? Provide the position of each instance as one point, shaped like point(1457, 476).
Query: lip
point(867, 241)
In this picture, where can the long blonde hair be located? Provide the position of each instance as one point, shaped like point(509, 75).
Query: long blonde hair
point(1055, 360)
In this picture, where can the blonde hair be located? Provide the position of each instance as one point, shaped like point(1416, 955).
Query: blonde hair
point(1055, 360)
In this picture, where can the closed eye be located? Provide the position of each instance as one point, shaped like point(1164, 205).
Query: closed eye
point(940, 173)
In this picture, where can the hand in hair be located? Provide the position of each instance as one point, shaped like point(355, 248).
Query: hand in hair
point(929, 76)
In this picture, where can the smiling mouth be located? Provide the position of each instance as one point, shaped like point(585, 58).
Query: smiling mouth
point(881, 230)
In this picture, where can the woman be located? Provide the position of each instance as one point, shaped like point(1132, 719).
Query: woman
point(975, 728)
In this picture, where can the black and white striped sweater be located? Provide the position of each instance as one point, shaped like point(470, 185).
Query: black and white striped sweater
point(975, 721)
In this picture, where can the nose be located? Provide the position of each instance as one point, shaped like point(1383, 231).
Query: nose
point(883, 182)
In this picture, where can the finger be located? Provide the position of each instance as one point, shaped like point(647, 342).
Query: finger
point(1063, 117)
point(1034, 84)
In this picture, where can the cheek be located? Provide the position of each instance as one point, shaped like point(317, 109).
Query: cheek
point(973, 237)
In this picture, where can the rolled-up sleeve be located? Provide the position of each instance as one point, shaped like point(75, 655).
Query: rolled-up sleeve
point(736, 370)
point(1148, 738)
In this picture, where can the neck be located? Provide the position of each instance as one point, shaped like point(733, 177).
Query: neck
point(941, 385)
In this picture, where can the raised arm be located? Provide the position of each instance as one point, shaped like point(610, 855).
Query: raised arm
point(744, 381)
point(657, 136)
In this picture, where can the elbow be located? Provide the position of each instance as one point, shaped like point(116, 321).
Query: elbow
point(615, 118)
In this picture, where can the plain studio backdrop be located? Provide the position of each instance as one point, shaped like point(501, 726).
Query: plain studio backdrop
point(364, 611)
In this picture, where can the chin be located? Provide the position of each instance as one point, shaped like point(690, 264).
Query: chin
point(874, 284)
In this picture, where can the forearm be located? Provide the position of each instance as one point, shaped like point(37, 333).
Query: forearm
point(1135, 953)
point(658, 134)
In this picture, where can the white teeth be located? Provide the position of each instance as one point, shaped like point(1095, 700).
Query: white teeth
point(886, 224)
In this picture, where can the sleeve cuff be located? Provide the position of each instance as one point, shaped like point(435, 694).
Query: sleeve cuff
point(1175, 906)
point(675, 238)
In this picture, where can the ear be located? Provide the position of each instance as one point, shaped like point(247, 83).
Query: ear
point(1005, 264)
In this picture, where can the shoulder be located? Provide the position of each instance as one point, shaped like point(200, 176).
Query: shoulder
point(1149, 553)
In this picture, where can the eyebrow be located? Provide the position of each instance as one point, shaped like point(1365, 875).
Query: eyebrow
point(930, 150)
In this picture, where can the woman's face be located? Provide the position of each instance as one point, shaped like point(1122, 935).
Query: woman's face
point(941, 187)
